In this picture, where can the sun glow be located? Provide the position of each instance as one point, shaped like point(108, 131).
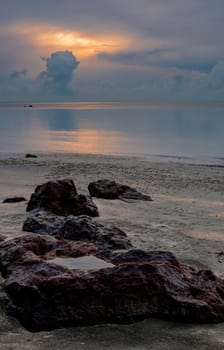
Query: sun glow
point(51, 38)
point(82, 45)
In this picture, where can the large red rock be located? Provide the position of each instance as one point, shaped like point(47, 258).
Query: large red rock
point(47, 293)
point(61, 198)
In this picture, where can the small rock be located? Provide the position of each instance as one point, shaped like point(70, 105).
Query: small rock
point(30, 155)
point(14, 200)
point(2, 237)
point(108, 189)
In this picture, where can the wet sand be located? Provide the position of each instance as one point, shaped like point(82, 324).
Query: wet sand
point(185, 217)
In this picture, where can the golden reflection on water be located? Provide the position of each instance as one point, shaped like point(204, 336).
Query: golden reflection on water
point(86, 141)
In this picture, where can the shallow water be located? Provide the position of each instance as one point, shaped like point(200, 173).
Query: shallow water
point(83, 263)
point(168, 131)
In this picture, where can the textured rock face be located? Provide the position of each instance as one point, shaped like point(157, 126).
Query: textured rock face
point(86, 229)
point(46, 295)
point(108, 189)
point(77, 228)
point(61, 198)
point(43, 222)
point(32, 248)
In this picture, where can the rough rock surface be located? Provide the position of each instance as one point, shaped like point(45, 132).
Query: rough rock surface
point(77, 228)
point(86, 229)
point(61, 198)
point(30, 248)
point(108, 189)
point(14, 200)
point(2, 237)
point(45, 295)
point(43, 222)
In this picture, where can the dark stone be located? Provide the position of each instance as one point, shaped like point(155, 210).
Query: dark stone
point(61, 198)
point(43, 222)
point(14, 200)
point(77, 228)
point(84, 228)
point(2, 237)
point(139, 255)
point(45, 294)
point(108, 189)
point(31, 247)
point(30, 155)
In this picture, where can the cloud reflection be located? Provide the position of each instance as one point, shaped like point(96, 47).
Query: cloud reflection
point(193, 132)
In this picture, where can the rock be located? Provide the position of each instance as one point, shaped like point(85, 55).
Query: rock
point(45, 295)
point(84, 228)
point(77, 228)
point(31, 247)
point(108, 189)
point(30, 155)
point(61, 198)
point(43, 222)
point(14, 200)
point(2, 237)
point(139, 255)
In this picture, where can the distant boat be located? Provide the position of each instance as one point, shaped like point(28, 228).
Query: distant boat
point(30, 106)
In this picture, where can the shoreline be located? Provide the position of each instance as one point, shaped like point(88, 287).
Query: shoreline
point(203, 160)
point(186, 217)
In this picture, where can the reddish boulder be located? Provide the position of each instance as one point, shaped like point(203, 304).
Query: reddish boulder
point(32, 247)
point(47, 293)
point(61, 198)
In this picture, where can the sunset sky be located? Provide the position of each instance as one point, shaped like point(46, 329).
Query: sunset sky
point(111, 50)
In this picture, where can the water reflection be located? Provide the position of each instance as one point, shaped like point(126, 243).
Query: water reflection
point(171, 131)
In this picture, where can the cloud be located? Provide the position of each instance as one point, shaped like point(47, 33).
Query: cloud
point(59, 73)
point(215, 80)
point(160, 57)
point(18, 74)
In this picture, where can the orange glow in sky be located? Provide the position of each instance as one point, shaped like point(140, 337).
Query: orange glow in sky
point(82, 45)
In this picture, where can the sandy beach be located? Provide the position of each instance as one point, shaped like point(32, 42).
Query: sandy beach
point(186, 217)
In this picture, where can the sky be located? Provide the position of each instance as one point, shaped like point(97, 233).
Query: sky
point(111, 50)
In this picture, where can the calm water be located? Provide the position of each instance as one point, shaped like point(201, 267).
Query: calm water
point(178, 130)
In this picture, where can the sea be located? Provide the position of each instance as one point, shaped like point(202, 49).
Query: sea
point(191, 132)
